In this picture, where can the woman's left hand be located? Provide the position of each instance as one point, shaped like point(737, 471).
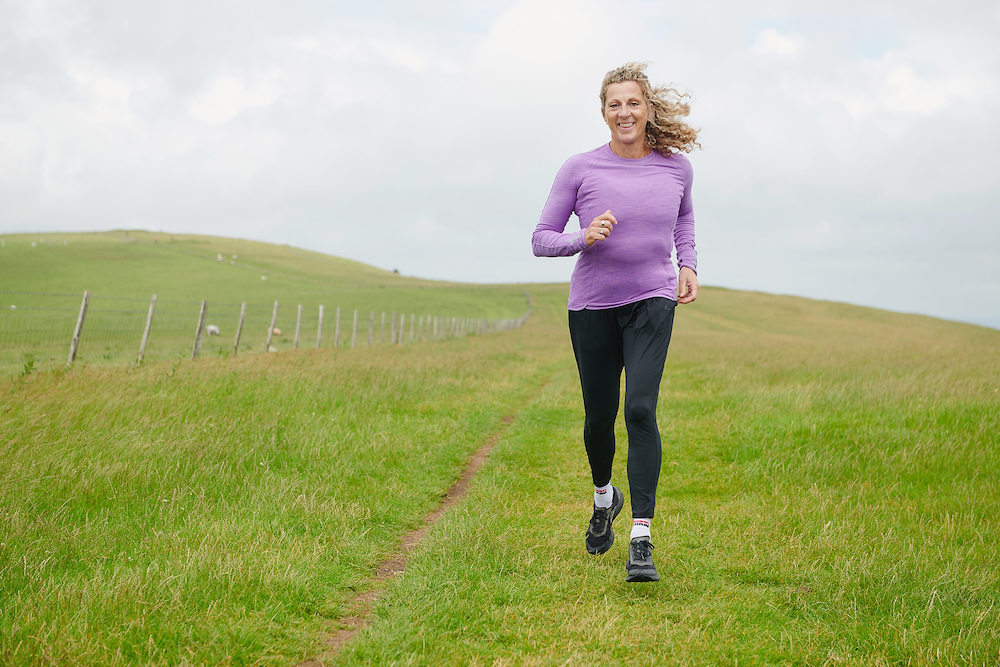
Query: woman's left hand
point(687, 285)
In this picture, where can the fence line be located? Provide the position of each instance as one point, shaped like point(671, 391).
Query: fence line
point(127, 330)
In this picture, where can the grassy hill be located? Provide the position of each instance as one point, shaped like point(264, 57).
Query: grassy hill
point(43, 278)
point(135, 264)
point(830, 494)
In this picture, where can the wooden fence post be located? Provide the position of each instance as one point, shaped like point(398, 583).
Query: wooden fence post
point(270, 329)
point(354, 333)
point(239, 326)
point(395, 318)
point(298, 328)
point(336, 330)
point(382, 336)
point(201, 327)
point(145, 332)
point(75, 343)
point(402, 328)
point(319, 331)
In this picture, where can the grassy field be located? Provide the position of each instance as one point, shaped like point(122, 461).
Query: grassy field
point(829, 495)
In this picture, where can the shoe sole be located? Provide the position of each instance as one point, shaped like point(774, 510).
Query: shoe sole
point(642, 575)
point(614, 515)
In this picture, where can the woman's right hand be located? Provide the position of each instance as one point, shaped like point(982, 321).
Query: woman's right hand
point(599, 229)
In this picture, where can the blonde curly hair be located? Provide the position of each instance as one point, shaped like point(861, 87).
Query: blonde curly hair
point(666, 132)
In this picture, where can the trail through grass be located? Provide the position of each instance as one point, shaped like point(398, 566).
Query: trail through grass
point(829, 495)
point(222, 511)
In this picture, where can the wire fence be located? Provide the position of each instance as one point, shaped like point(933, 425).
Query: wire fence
point(45, 330)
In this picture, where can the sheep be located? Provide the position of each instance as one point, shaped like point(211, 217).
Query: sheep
point(276, 331)
point(212, 330)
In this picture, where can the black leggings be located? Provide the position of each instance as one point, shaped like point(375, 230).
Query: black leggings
point(634, 337)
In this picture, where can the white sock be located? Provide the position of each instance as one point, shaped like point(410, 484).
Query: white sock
point(640, 528)
point(603, 495)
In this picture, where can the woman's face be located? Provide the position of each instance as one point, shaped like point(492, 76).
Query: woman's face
point(626, 112)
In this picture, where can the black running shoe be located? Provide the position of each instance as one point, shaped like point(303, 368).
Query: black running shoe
point(600, 536)
point(640, 561)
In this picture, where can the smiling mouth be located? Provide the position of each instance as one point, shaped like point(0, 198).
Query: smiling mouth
point(626, 126)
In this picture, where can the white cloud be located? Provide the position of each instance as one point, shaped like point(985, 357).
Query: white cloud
point(898, 84)
point(240, 152)
point(544, 49)
point(343, 90)
point(405, 56)
point(363, 44)
point(19, 151)
point(109, 95)
point(771, 42)
point(228, 95)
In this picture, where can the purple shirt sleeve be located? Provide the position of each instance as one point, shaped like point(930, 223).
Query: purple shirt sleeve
point(684, 227)
point(550, 238)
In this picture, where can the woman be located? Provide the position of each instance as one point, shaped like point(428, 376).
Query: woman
point(633, 200)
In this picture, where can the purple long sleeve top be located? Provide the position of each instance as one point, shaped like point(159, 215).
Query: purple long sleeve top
point(650, 198)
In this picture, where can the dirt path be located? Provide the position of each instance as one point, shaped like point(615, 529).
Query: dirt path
point(360, 609)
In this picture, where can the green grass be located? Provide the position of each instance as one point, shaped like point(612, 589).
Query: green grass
point(829, 495)
point(219, 511)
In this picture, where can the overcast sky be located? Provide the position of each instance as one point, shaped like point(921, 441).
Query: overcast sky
point(850, 148)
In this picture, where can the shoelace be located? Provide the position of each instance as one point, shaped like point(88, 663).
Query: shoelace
point(641, 550)
point(599, 518)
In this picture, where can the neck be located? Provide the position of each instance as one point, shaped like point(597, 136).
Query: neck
point(631, 151)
